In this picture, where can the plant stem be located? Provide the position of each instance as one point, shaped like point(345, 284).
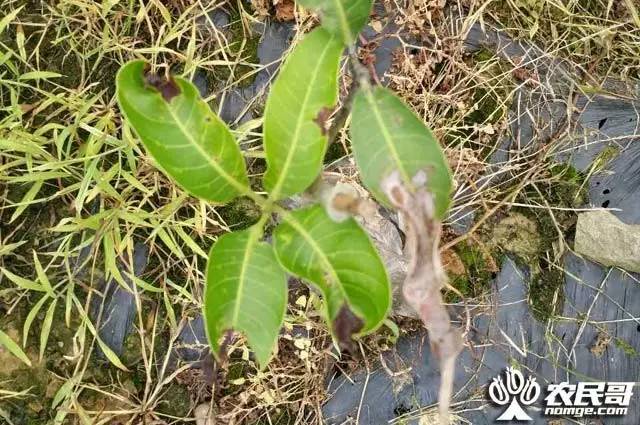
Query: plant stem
point(359, 78)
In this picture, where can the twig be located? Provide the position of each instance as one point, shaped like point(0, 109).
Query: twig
point(359, 78)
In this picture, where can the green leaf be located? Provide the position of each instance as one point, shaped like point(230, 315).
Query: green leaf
point(345, 18)
point(30, 317)
point(39, 75)
point(246, 291)
point(387, 136)
point(182, 134)
point(13, 348)
point(294, 141)
point(42, 276)
point(6, 20)
point(22, 282)
point(46, 327)
point(340, 259)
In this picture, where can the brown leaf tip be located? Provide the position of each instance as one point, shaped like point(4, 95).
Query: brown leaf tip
point(167, 87)
point(345, 325)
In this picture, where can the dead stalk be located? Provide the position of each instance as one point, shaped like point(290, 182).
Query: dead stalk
point(426, 278)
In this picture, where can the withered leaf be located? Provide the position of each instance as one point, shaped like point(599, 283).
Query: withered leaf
point(345, 325)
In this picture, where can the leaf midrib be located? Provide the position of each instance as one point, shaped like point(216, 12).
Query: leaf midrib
point(344, 22)
point(387, 136)
point(251, 242)
point(232, 181)
point(298, 227)
point(275, 193)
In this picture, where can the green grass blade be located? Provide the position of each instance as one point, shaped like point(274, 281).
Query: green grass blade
point(6, 20)
point(46, 327)
point(42, 276)
point(26, 200)
point(13, 348)
point(5, 415)
point(38, 75)
point(8, 248)
point(63, 393)
point(30, 317)
point(22, 282)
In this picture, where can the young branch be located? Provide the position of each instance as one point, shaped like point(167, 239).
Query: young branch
point(359, 78)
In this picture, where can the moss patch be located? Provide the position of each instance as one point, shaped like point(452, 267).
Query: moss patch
point(240, 214)
point(517, 234)
point(243, 46)
point(487, 108)
point(176, 401)
point(478, 274)
point(488, 102)
point(563, 190)
point(602, 160)
point(489, 105)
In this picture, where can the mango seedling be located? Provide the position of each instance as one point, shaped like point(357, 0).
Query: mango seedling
point(400, 163)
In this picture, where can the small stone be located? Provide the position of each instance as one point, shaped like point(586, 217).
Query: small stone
point(603, 238)
point(220, 18)
point(216, 20)
point(376, 25)
point(202, 415)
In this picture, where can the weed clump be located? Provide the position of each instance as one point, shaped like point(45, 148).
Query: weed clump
point(546, 294)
